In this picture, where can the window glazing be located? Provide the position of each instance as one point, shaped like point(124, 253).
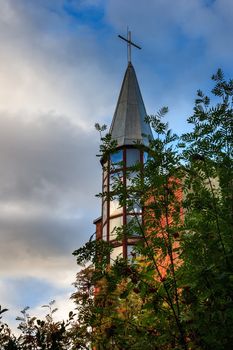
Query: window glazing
point(114, 223)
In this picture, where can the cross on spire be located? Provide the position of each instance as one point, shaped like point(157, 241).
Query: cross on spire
point(129, 44)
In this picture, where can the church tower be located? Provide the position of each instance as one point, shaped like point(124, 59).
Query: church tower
point(132, 134)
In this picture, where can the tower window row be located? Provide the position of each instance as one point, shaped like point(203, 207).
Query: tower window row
point(119, 171)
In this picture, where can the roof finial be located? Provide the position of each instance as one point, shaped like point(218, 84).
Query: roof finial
point(129, 44)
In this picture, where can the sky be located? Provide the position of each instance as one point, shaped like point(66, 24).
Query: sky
point(61, 68)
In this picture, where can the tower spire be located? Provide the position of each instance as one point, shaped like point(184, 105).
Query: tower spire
point(131, 132)
point(128, 125)
point(129, 44)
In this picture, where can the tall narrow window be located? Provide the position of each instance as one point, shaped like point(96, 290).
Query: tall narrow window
point(105, 211)
point(104, 234)
point(115, 207)
point(134, 208)
point(134, 225)
point(115, 180)
point(131, 177)
point(132, 157)
point(114, 223)
point(116, 159)
point(130, 252)
point(116, 253)
point(105, 187)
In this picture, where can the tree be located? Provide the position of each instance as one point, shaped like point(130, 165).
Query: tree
point(176, 291)
point(207, 246)
point(38, 334)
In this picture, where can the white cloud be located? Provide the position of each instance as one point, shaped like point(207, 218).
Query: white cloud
point(50, 97)
point(47, 67)
point(15, 303)
point(47, 192)
point(59, 75)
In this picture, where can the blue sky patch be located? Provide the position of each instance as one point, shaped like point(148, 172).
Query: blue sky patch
point(92, 16)
point(31, 291)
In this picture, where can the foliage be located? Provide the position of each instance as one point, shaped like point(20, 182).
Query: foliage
point(38, 334)
point(207, 245)
point(175, 291)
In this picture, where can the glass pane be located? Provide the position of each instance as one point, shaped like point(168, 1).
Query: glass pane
point(106, 180)
point(132, 157)
point(117, 252)
point(134, 222)
point(105, 187)
point(115, 178)
point(116, 159)
point(113, 224)
point(104, 234)
point(105, 169)
point(134, 208)
point(131, 175)
point(136, 218)
point(145, 157)
point(105, 207)
point(130, 252)
point(114, 207)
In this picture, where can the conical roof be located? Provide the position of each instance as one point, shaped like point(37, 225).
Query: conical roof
point(128, 124)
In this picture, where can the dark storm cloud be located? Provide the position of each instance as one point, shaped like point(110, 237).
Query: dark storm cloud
point(46, 158)
point(40, 236)
point(49, 175)
point(68, 60)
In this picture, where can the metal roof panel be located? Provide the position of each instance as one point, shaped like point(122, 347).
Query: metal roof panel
point(128, 125)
